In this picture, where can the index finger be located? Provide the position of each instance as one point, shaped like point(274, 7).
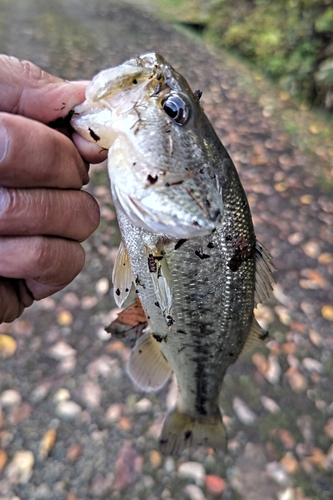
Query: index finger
point(27, 90)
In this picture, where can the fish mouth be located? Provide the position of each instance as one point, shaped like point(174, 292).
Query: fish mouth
point(159, 216)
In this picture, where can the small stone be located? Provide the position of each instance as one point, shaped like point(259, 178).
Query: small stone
point(215, 485)
point(315, 338)
point(62, 394)
point(88, 302)
point(192, 470)
point(325, 258)
point(169, 465)
point(68, 410)
point(8, 346)
point(243, 412)
point(194, 492)
point(20, 413)
point(113, 413)
point(270, 405)
point(142, 406)
point(277, 472)
point(287, 439)
point(73, 452)
point(65, 318)
point(155, 458)
point(47, 443)
point(296, 380)
point(274, 371)
point(40, 392)
point(318, 458)
point(125, 424)
point(9, 398)
point(329, 428)
point(103, 335)
point(61, 350)
point(311, 249)
point(67, 365)
point(288, 494)
point(312, 365)
point(91, 394)
point(102, 286)
point(20, 468)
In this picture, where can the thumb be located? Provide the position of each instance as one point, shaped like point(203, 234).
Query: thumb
point(27, 90)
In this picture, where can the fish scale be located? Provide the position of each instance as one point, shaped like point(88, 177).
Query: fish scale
point(187, 236)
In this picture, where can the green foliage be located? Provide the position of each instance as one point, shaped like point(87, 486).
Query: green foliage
point(292, 40)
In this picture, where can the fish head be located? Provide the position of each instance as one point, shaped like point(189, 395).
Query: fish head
point(160, 161)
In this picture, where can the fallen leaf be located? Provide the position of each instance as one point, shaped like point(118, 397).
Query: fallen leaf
point(64, 318)
point(327, 312)
point(215, 485)
point(128, 466)
point(3, 459)
point(47, 443)
point(289, 463)
point(329, 428)
point(73, 452)
point(155, 458)
point(8, 346)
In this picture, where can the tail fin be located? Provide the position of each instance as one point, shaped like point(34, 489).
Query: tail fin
point(181, 431)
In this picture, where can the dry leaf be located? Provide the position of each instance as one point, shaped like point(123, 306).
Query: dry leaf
point(47, 443)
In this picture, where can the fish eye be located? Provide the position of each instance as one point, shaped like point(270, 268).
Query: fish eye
point(176, 107)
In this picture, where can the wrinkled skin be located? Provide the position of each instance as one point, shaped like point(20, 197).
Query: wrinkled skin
point(44, 214)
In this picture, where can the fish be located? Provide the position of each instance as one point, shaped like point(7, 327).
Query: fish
point(188, 244)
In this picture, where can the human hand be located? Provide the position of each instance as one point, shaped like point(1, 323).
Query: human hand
point(44, 215)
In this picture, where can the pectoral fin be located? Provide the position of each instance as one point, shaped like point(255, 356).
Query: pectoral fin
point(147, 365)
point(264, 276)
point(122, 276)
point(160, 275)
point(181, 431)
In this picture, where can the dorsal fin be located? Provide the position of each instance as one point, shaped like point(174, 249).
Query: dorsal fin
point(264, 276)
point(147, 365)
point(122, 276)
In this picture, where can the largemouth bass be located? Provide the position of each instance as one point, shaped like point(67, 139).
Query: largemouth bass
point(188, 242)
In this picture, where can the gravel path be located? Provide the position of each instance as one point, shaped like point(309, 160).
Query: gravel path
point(72, 426)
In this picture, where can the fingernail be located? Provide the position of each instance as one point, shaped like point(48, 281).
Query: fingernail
point(3, 142)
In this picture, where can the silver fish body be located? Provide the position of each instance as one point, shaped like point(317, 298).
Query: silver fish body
point(190, 249)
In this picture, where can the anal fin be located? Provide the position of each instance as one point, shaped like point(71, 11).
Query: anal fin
point(182, 431)
point(256, 337)
point(147, 365)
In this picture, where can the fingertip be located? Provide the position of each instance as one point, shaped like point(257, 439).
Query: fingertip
point(93, 153)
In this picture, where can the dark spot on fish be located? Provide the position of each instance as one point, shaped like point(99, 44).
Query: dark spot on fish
point(179, 244)
point(176, 183)
point(158, 337)
point(243, 252)
point(118, 292)
point(134, 163)
point(201, 255)
point(135, 81)
point(138, 282)
point(210, 244)
point(197, 94)
point(182, 331)
point(169, 320)
point(93, 135)
point(231, 353)
point(126, 290)
point(152, 179)
point(195, 223)
point(159, 257)
point(140, 351)
point(163, 441)
point(263, 336)
point(207, 203)
point(157, 304)
point(181, 349)
point(152, 264)
point(136, 291)
point(228, 237)
point(156, 90)
point(159, 272)
point(187, 435)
